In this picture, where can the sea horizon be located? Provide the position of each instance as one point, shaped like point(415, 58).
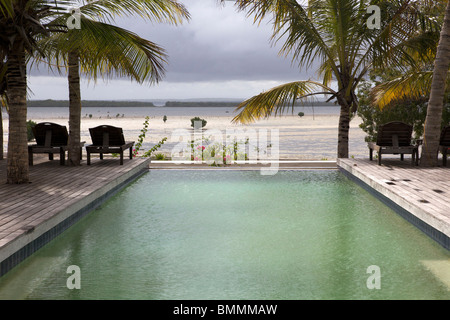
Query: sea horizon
point(200, 102)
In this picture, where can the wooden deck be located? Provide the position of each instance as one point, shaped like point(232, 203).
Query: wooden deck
point(424, 193)
point(55, 195)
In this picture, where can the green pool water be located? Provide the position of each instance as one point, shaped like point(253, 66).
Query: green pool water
point(211, 235)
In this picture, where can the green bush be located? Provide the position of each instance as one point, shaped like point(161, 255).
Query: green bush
point(412, 112)
point(160, 156)
point(193, 120)
point(30, 125)
point(301, 114)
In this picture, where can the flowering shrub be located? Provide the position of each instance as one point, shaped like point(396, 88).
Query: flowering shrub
point(218, 153)
point(154, 148)
point(141, 137)
point(140, 141)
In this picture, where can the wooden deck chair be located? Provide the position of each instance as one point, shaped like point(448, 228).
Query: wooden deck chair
point(50, 138)
point(395, 138)
point(108, 139)
point(444, 144)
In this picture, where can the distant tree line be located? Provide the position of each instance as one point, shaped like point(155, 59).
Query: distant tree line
point(125, 104)
point(89, 103)
point(234, 104)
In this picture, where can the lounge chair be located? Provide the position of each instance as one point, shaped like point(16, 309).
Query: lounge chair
point(108, 139)
point(395, 138)
point(444, 144)
point(50, 138)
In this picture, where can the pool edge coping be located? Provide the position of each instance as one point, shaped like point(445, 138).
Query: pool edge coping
point(244, 166)
point(414, 215)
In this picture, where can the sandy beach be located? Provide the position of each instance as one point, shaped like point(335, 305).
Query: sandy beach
point(306, 138)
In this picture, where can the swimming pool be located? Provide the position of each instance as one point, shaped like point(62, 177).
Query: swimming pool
point(212, 234)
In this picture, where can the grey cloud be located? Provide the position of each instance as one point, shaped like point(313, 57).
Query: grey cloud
point(218, 44)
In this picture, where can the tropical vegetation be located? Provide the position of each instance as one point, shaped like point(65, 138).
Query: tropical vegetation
point(413, 39)
point(140, 141)
point(39, 29)
point(22, 22)
point(411, 109)
point(98, 48)
point(335, 34)
point(433, 120)
point(426, 80)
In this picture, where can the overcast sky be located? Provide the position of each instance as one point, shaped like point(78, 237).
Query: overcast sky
point(219, 53)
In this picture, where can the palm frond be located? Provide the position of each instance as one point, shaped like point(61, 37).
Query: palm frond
point(6, 8)
point(107, 51)
point(325, 71)
point(170, 11)
point(278, 100)
point(413, 86)
point(291, 23)
point(405, 31)
point(26, 22)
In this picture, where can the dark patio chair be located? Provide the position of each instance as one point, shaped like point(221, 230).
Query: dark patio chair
point(395, 138)
point(50, 138)
point(108, 139)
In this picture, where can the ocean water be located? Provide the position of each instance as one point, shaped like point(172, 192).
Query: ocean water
point(36, 113)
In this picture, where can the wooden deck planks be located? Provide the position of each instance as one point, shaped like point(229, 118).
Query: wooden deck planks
point(425, 192)
point(415, 189)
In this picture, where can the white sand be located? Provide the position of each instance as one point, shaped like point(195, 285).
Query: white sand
point(306, 138)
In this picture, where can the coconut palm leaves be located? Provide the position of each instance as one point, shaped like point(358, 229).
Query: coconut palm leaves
point(21, 21)
point(99, 48)
point(411, 86)
point(334, 33)
point(429, 77)
point(433, 120)
point(25, 27)
point(170, 11)
point(25, 20)
point(265, 104)
point(6, 8)
point(107, 51)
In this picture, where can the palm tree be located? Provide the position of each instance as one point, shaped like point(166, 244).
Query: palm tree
point(334, 33)
point(430, 78)
point(99, 48)
point(2, 101)
point(432, 129)
point(20, 22)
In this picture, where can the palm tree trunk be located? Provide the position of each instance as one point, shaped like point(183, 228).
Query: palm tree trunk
point(433, 120)
point(17, 164)
point(74, 110)
point(1, 134)
point(343, 131)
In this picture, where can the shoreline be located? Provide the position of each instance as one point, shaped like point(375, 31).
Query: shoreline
point(311, 137)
